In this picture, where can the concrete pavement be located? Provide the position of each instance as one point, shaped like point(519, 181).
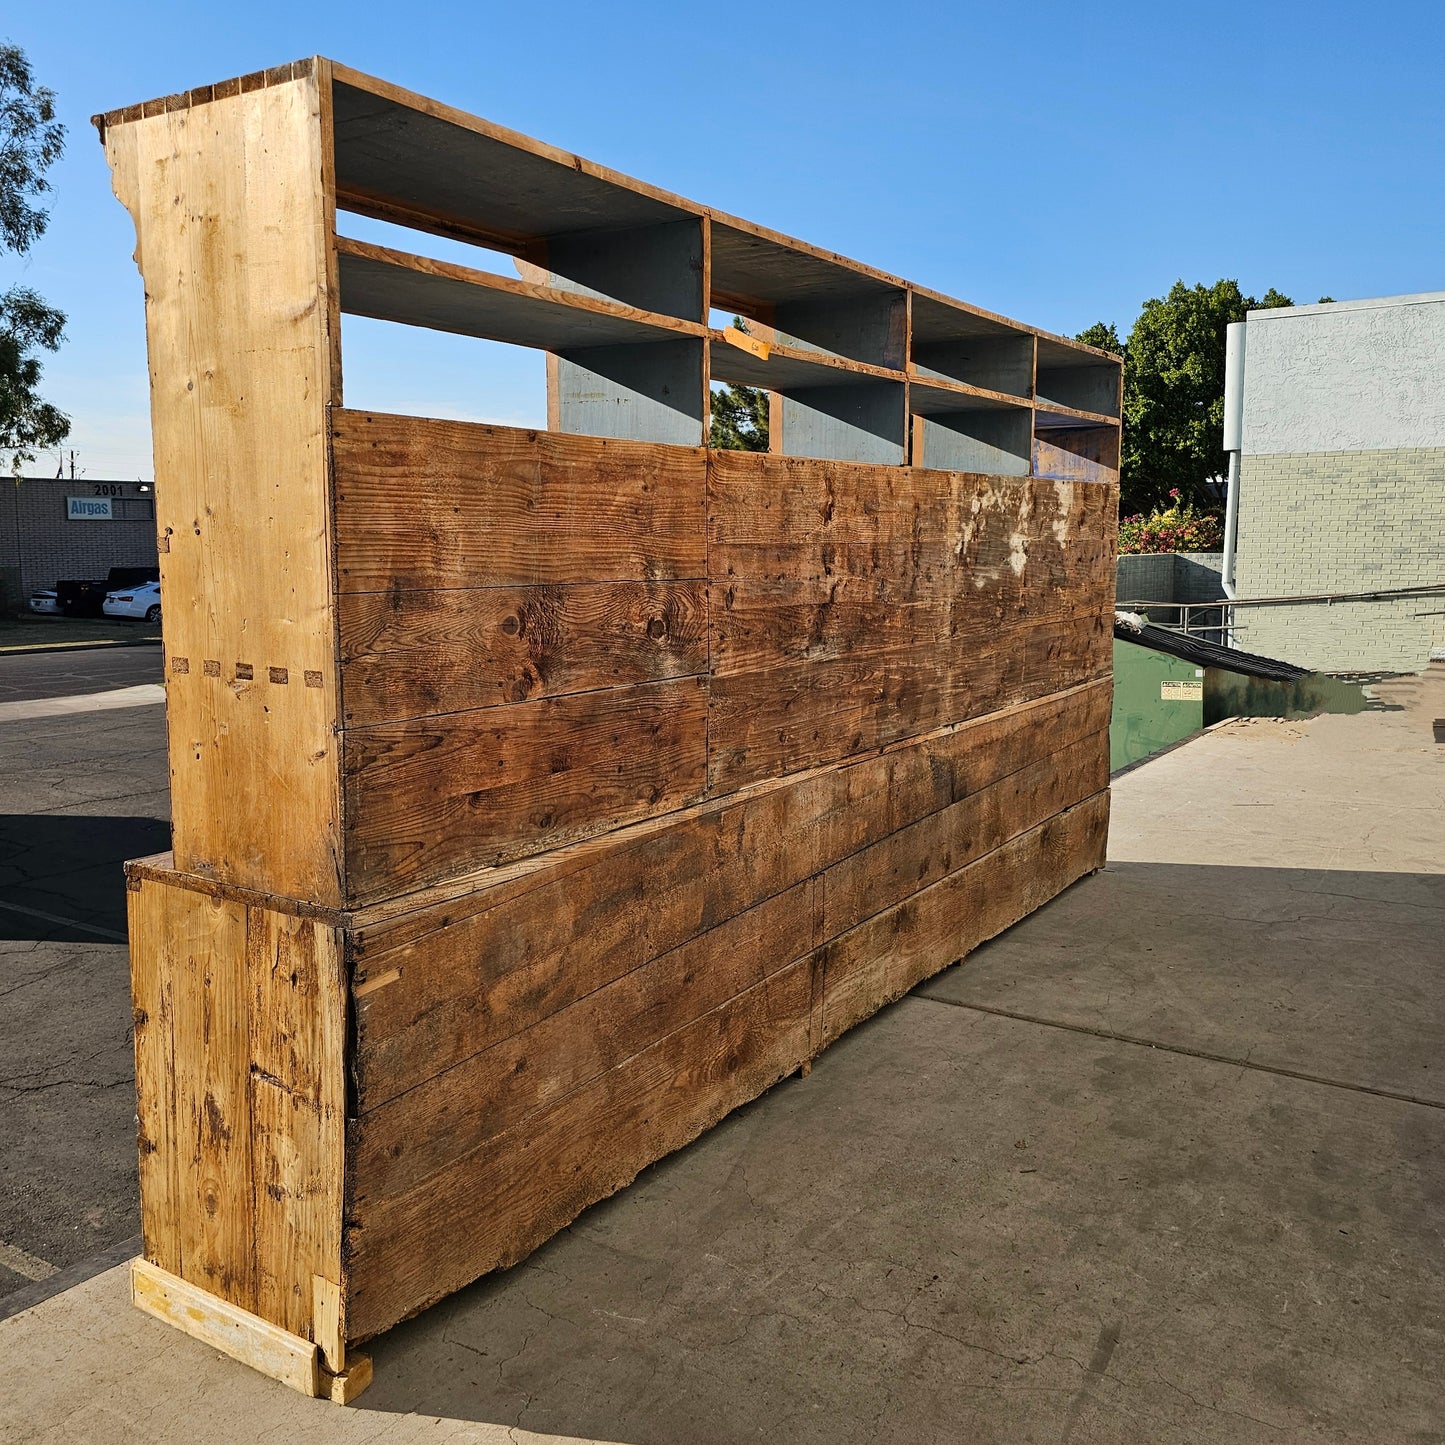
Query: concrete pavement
point(1166, 1162)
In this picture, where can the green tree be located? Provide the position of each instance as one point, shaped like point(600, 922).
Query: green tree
point(739, 415)
point(1103, 335)
point(31, 140)
point(1174, 391)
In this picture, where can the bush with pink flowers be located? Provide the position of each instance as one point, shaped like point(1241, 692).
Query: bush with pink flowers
point(1179, 528)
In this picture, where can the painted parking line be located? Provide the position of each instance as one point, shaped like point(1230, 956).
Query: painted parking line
point(25, 1265)
point(144, 695)
point(66, 922)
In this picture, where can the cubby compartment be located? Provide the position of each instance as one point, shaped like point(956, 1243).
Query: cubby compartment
point(1071, 378)
point(813, 301)
point(950, 342)
point(1069, 450)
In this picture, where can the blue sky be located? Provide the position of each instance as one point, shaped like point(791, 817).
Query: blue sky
point(1055, 162)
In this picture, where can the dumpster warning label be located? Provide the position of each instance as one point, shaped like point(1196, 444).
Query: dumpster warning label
point(1181, 691)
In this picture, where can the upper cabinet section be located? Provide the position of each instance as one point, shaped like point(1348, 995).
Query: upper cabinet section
point(621, 285)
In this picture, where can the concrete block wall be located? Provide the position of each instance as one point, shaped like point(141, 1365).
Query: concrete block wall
point(1170, 577)
point(1342, 480)
point(39, 546)
point(1351, 521)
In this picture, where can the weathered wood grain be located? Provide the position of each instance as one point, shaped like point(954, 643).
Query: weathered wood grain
point(413, 654)
point(240, 1028)
point(436, 504)
point(816, 711)
point(205, 960)
point(397, 1146)
point(434, 797)
point(239, 320)
point(442, 982)
point(296, 1034)
point(854, 606)
point(938, 844)
point(893, 951)
point(493, 1206)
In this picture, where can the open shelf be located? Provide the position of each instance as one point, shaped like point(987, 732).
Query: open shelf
point(952, 342)
point(1048, 414)
point(392, 285)
point(928, 396)
point(618, 278)
point(1078, 379)
point(783, 368)
point(403, 157)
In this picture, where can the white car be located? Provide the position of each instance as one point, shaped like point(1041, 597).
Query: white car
point(45, 602)
point(142, 601)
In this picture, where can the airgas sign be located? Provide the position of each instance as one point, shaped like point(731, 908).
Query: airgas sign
point(89, 509)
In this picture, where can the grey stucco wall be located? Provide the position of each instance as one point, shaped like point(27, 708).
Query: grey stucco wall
point(1349, 376)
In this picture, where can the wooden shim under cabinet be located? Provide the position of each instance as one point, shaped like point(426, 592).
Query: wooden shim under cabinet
point(244, 1336)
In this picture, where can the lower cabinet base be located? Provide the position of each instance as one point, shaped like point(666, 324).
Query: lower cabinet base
point(346, 1116)
point(244, 1336)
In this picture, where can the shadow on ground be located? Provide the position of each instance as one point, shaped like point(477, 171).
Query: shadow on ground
point(61, 877)
point(1166, 1157)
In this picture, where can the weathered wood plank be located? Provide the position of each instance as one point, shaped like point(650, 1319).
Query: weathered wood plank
point(436, 985)
point(152, 986)
point(821, 710)
point(579, 1036)
point(493, 1206)
point(233, 235)
point(233, 1330)
point(922, 853)
point(855, 606)
point(297, 1045)
point(203, 955)
point(433, 797)
point(434, 504)
point(413, 654)
point(893, 951)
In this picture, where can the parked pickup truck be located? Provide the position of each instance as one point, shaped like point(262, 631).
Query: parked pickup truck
point(86, 599)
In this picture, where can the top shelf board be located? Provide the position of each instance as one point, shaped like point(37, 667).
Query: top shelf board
point(399, 156)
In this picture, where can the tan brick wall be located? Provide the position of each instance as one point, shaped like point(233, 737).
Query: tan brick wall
point(1343, 522)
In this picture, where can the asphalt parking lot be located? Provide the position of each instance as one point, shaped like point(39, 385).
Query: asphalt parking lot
point(83, 791)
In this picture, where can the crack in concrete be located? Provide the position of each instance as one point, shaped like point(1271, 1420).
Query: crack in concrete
point(1229, 1060)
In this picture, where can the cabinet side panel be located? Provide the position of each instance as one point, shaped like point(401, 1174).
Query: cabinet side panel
point(228, 204)
point(240, 1036)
